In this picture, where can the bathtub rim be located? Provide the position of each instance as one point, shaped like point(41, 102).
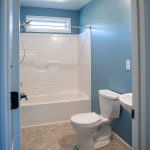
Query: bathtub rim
point(53, 102)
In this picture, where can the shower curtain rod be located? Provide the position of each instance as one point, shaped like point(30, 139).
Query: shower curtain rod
point(77, 27)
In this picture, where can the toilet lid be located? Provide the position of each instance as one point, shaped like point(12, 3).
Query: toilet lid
point(85, 118)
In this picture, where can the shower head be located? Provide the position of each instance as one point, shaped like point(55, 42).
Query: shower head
point(25, 24)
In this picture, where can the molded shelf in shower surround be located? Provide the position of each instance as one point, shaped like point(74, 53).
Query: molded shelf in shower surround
point(51, 65)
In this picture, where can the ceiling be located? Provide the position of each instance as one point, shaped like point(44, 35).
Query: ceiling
point(58, 4)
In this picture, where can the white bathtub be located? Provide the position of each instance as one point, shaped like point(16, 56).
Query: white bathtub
point(44, 109)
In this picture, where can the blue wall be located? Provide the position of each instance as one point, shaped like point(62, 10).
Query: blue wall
point(74, 15)
point(111, 46)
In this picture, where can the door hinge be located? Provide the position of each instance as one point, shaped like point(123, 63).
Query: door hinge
point(14, 100)
point(133, 114)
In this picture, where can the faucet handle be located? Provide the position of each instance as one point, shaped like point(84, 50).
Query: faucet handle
point(23, 95)
point(26, 97)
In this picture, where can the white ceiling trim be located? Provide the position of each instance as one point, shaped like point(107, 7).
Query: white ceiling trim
point(57, 4)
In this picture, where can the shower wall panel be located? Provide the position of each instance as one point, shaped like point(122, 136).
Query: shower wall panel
point(51, 63)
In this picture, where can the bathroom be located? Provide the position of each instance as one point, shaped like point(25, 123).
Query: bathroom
point(61, 72)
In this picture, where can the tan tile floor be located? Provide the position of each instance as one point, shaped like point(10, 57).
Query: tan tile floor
point(58, 136)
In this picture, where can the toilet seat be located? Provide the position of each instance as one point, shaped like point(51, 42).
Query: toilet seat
point(89, 119)
point(86, 118)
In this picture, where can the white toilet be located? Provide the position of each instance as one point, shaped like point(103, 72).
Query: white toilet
point(93, 130)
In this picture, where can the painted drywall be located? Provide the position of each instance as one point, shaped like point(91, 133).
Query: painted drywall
point(111, 46)
point(74, 15)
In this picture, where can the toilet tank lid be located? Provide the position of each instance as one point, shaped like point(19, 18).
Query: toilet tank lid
point(109, 94)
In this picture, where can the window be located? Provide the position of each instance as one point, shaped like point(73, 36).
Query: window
point(48, 24)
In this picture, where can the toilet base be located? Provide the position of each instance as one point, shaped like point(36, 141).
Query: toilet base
point(102, 138)
point(101, 144)
point(85, 143)
point(88, 144)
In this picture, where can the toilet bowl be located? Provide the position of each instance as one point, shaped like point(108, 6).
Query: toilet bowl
point(93, 130)
point(89, 130)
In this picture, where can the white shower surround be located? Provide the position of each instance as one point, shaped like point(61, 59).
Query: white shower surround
point(56, 76)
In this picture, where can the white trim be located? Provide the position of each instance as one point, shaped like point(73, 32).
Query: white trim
point(144, 34)
point(5, 75)
point(121, 141)
point(141, 74)
point(45, 124)
point(9, 46)
point(135, 75)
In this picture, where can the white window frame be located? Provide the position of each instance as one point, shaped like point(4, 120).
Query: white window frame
point(67, 28)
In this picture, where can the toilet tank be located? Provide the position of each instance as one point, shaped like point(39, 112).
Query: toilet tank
point(109, 104)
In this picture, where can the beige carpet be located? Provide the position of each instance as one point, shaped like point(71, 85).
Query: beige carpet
point(58, 136)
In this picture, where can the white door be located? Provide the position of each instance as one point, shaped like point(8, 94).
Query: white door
point(9, 79)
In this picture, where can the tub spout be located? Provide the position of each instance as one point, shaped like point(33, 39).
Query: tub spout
point(23, 95)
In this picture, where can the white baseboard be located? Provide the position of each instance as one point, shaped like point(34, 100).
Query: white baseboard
point(67, 121)
point(121, 140)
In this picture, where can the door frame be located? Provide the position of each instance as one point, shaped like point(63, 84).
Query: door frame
point(135, 75)
point(9, 74)
point(141, 74)
point(6, 134)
